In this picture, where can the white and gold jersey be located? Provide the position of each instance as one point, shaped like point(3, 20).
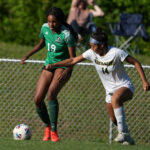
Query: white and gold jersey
point(110, 68)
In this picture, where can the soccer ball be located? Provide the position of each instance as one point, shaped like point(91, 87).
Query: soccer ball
point(21, 132)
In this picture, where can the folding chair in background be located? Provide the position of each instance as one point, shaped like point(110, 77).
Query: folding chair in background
point(127, 30)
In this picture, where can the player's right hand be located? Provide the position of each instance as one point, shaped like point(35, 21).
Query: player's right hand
point(23, 60)
point(49, 66)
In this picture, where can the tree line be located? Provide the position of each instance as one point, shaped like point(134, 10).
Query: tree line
point(21, 20)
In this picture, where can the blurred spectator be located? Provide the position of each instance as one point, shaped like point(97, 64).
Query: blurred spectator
point(80, 16)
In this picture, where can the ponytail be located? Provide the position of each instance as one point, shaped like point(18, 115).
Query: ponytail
point(71, 30)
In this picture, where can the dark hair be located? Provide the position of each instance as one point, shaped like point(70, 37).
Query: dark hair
point(59, 14)
point(84, 3)
point(100, 36)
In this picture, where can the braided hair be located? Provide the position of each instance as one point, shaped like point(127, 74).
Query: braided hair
point(59, 14)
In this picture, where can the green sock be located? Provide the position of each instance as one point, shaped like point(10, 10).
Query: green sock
point(53, 109)
point(43, 114)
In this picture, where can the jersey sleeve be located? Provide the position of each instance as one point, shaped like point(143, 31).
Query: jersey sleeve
point(41, 35)
point(122, 54)
point(87, 54)
point(69, 39)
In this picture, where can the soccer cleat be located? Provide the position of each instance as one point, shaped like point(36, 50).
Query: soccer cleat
point(47, 133)
point(124, 138)
point(129, 141)
point(120, 137)
point(54, 136)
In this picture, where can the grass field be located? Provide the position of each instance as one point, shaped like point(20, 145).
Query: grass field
point(16, 94)
point(6, 144)
point(9, 50)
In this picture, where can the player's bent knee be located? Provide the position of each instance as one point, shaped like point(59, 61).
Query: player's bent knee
point(115, 102)
point(37, 101)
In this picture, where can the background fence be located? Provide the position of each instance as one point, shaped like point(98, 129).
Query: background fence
point(82, 114)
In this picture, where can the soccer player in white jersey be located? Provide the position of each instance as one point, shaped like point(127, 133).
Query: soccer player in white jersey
point(108, 62)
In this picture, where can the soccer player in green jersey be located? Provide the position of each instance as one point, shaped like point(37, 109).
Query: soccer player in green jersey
point(60, 41)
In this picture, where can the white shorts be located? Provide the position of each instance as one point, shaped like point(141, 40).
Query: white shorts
point(110, 94)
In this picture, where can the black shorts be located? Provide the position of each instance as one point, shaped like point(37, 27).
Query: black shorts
point(53, 70)
point(50, 70)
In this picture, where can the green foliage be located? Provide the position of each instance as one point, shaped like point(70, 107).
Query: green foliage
point(21, 20)
point(115, 7)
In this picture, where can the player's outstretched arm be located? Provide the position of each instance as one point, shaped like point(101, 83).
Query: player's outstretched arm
point(67, 62)
point(137, 64)
point(36, 48)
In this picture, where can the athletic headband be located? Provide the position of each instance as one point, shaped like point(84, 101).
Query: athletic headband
point(95, 41)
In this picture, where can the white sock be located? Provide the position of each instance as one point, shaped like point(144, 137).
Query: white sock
point(121, 121)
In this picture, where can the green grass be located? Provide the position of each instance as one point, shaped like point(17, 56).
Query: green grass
point(65, 145)
point(82, 114)
point(12, 50)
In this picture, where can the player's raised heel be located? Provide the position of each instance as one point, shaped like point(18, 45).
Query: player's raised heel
point(47, 134)
point(54, 136)
point(124, 138)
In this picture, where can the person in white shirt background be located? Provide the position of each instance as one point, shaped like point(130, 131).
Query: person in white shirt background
point(108, 62)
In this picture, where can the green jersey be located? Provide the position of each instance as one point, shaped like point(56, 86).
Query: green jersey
point(57, 43)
